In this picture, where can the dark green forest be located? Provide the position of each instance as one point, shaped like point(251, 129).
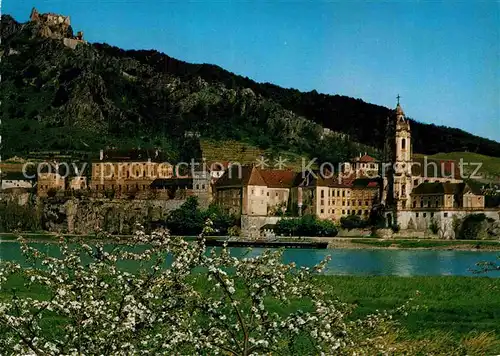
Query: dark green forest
point(98, 96)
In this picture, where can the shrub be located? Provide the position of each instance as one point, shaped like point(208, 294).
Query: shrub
point(187, 220)
point(470, 227)
point(109, 193)
point(308, 225)
point(234, 231)
point(395, 228)
point(52, 192)
point(352, 222)
point(434, 226)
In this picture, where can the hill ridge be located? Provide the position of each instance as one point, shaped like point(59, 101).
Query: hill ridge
point(101, 96)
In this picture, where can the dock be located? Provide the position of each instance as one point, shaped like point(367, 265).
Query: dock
point(268, 244)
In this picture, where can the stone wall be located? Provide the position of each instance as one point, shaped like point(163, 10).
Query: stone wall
point(405, 234)
point(20, 196)
point(354, 233)
point(72, 42)
point(86, 216)
point(251, 225)
point(420, 221)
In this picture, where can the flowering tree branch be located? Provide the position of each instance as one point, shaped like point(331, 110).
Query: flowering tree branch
point(158, 294)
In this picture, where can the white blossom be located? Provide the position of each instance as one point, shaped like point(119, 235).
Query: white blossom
point(161, 309)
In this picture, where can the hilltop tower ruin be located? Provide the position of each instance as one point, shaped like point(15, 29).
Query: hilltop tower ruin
point(58, 27)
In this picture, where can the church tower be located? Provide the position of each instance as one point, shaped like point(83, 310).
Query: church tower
point(402, 170)
point(397, 163)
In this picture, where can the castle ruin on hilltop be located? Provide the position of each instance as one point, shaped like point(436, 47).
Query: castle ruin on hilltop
point(57, 26)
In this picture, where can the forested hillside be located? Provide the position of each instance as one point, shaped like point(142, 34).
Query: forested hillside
point(56, 98)
point(364, 122)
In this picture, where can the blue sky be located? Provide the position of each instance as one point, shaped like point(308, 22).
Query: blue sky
point(443, 58)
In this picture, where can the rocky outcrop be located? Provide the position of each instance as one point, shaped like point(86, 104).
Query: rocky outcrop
point(9, 26)
point(20, 196)
point(86, 216)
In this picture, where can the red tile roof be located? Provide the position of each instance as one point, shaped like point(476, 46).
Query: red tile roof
point(275, 178)
point(232, 176)
point(318, 180)
point(366, 159)
point(445, 188)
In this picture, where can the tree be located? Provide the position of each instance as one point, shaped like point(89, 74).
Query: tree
point(100, 308)
point(222, 220)
point(327, 228)
point(52, 192)
point(352, 222)
point(307, 225)
point(187, 220)
point(434, 226)
point(471, 226)
point(287, 227)
point(109, 193)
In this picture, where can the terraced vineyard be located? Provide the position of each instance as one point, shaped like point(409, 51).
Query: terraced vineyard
point(236, 151)
point(490, 166)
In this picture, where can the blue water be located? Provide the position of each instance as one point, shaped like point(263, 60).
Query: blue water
point(356, 262)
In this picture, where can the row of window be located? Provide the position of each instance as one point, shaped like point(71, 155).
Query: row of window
point(436, 204)
point(431, 215)
point(425, 215)
point(276, 194)
point(332, 202)
point(119, 186)
point(349, 212)
point(368, 165)
point(333, 193)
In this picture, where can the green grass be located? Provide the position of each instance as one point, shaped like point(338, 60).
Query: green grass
point(425, 243)
point(32, 236)
point(455, 305)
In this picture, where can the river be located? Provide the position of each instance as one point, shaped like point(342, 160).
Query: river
point(356, 262)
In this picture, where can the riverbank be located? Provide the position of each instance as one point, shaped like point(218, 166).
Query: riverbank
point(455, 245)
point(333, 242)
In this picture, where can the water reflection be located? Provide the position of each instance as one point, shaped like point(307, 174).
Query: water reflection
point(345, 261)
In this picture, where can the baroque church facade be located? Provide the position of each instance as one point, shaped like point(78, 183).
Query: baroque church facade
point(417, 191)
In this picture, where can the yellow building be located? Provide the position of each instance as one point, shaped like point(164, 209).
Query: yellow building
point(128, 173)
point(446, 196)
point(50, 182)
point(78, 183)
point(364, 165)
point(332, 198)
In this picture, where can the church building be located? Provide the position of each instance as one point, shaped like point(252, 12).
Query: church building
point(416, 190)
